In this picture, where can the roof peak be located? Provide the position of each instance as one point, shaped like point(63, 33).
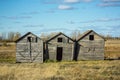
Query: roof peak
point(25, 35)
point(86, 33)
point(57, 34)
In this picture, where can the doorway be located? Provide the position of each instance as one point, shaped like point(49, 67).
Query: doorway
point(59, 53)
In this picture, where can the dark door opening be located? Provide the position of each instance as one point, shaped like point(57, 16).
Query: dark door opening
point(59, 53)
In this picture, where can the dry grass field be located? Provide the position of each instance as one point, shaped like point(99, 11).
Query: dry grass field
point(7, 52)
point(80, 70)
point(112, 49)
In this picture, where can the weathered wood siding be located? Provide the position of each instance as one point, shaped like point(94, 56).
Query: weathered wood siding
point(91, 49)
point(23, 50)
point(66, 44)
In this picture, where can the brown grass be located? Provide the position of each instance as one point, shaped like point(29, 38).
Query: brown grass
point(7, 53)
point(112, 49)
point(81, 70)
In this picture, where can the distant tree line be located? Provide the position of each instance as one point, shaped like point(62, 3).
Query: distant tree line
point(74, 35)
point(110, 37)
point(9, 37)
point(13, 36)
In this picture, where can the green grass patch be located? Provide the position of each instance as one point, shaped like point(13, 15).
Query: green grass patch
point(10, 60)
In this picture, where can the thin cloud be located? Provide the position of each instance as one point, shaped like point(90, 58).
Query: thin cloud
point(41, 25)
point(65, 7)
point(108, 19)
point(87, 0)
point(52, 1)
point(63, 1)
point(111, 0)
point(76, 1)
point(96, 20)
point(24, 17)
point(102, 20)
point(17, 22)
point(50, 11)
point(55, 30)
point(30, 13)
point(71, 22)
point(109, 5)
point(71, 1)
point(16, 17)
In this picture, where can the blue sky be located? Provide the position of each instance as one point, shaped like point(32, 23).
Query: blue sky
point(45, 16)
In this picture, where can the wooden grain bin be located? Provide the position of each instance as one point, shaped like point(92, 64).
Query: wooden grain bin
point(90, 46)
point(60, 48)
point(29, 48)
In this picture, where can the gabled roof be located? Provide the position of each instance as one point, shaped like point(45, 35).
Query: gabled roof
point(25, 36)
point(86, 33)
point(60, 33)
